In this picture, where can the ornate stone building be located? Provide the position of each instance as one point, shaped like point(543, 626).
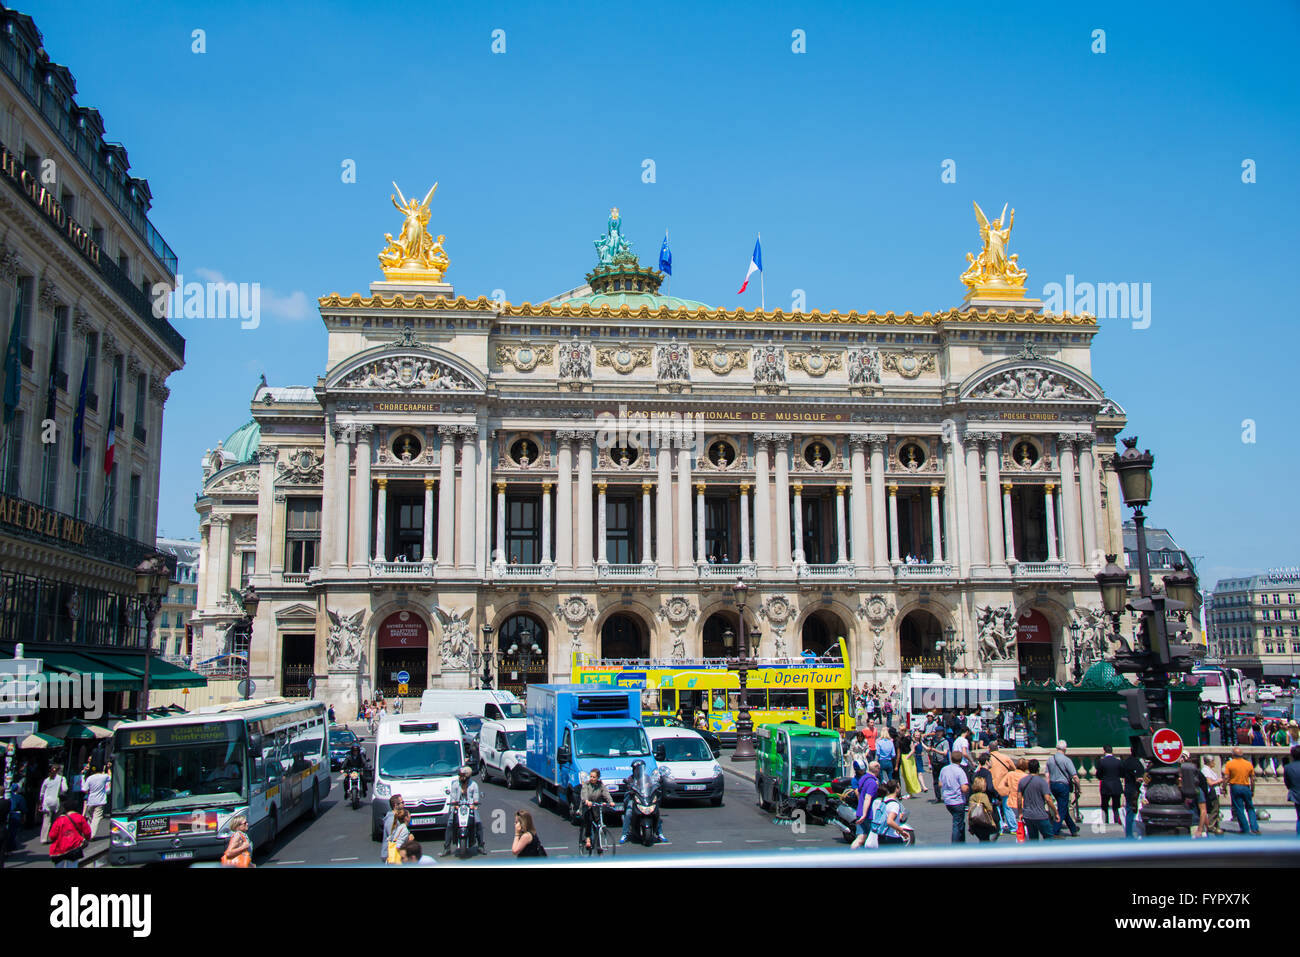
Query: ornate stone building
point(595, 472)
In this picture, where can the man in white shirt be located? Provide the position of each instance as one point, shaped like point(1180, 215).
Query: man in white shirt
point(96, 787)
point(975, 723)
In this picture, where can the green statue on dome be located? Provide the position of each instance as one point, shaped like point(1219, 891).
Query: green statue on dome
point(613, 246)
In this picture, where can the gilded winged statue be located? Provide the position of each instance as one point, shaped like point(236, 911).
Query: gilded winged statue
point(993, 267)
point(414, 254)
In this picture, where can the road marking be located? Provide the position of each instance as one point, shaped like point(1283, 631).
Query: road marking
point(753, 841)
point(808, 840)
point(291, 862)
point(340, 860)
point(500, 851)
point(708, 842)
point(559, 847)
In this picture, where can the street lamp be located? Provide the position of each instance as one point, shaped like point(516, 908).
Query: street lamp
point(248, 598)
point(1113, 582)
point(1181, 586)
point(1076, 651)
point(151, 582)
point(744, 724)
point(485, 680)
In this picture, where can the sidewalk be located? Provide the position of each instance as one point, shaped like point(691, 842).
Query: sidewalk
point(30, 852)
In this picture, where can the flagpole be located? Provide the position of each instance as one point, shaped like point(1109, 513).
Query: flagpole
point(762, 289)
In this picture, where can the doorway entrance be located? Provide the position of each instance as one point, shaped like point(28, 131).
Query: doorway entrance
point(402, 645)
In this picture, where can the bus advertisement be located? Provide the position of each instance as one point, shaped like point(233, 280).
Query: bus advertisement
point(178, 782)
point(811, 691)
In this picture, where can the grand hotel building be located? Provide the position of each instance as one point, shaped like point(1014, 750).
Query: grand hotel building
point(932, 487)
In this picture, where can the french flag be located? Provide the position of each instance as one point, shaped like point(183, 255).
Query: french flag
point(111, 441)
point(755, 265)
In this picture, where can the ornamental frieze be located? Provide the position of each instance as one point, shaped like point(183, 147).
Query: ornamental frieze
point(721, 361)
point(575, 360)
point(815, 362)
point(406, 374)
point(623, 359)
point(864, 366)
point(769, 364)
point(524, 356)
point(242, 480)
point(1029, 384)
point(671, 360)
point(908, 364)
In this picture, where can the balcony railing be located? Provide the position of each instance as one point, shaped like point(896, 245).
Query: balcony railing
point(524, 573)
point(1040, 569)
point(294, 578)
point(826, 572)
point(646, 570)
point(745, 570)
point(934, 570)
point(401, 569)
point(62, 531)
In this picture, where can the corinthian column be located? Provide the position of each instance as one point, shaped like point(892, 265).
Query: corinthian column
point(936, 528)
point(762, 503)
point(782, 442)
point(266, 458)
point(342, 453)
point(1009, 525)
point(993, 499)
point(685, 540)
point(546, 558)
point(858, 466)
point(1049, 501)
point(468, 494)
point(798, 523)
point(664, 500)
point(701, 542)
point(585, 490)
point(564, 500)
point(745, 554)
point(979, 539)
point(602, 526)
point(1069, 500)
point(501, 555)
point(645, 522)
point(426, 544)
point(361, 503)
point(447, 498)
point(841, 534)
point(879, 538)
point(381, 519)
point(893, 525)
point(1088, 496)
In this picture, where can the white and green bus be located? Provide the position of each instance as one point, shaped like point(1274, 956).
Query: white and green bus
point(178, 782)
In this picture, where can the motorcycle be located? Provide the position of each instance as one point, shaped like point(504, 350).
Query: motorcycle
point(843, 813)
point(462, 813)
point(645, 811)
point(352, 789)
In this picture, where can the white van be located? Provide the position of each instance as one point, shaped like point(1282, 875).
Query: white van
point(490, 704)
point(416, 756)
point(687, 768)
point(503, 751)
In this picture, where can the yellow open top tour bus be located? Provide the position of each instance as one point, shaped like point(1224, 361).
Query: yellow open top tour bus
point(812, 691)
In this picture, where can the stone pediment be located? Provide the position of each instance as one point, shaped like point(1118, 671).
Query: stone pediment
point(240, 479)
point(298, 612)
point(406, 372)
point(1030, 380)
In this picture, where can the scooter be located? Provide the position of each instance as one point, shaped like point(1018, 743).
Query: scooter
point(645, 808)
point(463, 815)
point(843, 814)
point(353, 789)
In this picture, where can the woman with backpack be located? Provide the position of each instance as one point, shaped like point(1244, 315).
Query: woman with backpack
point(981, 819)
point(69, 834)
point(888, 817)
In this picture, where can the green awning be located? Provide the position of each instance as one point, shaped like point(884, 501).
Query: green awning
point(69, 663)
point(162, 674)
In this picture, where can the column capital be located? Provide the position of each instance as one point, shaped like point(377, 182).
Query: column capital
point(744, 488)
point(501, 488)
point(893, 490)
point(449, 431)
point(646, 486)
point(546, 487)
point(1066, 438)
point(782, 439)
point(268, 456)
point(1085, 441)
point(428, 483)
point(878, 440)
point(935, 489)
point(383, 483)
point(859, 440)
point(984, 438)
point(601, 486)
point(797, 486)
point(1006, 488)
point(341, 433)
point(585, 436)
point(699, 487)
point(364, 432)
point(467, 431)
point(839, 488)
point(219, 518)
point(1049, 487)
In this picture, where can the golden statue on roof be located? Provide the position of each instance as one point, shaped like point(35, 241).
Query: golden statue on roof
point(993, 273)
point(414, 255)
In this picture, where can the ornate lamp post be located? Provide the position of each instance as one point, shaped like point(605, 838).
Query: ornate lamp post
point(1076, 649)
point(1155, 656)
point(950, 648)
point(248, 598)
point(151, 582)
point(524, 649)
point(744, 724)
point(485, 679)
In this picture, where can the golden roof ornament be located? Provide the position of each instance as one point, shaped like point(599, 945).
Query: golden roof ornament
point(993, 274)
point(414, 256)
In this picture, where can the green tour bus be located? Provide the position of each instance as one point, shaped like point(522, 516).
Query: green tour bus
point(795, 766)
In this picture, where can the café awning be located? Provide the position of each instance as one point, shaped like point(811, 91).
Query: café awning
point(162, 674)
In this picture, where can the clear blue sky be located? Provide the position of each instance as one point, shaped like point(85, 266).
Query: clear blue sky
point(1123, 167)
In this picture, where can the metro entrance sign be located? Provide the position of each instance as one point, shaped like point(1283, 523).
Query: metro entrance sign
point(1167, 746)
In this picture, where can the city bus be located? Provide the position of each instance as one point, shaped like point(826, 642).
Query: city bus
point(811, 691)
point(177, 782)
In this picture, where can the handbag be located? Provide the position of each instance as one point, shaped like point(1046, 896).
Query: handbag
point(242, 859)
point(394, 854)
point(1021, 836)
point(979, 816)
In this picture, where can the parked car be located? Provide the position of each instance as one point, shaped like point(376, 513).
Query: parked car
point(666, 721)
point(470, 725)
point(1265, 693)
point(341, 742)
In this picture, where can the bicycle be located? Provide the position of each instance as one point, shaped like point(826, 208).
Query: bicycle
point(600, 842)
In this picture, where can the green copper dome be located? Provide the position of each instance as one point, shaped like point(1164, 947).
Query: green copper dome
point(241, 445)
point(632, 299)
point(1102, 676)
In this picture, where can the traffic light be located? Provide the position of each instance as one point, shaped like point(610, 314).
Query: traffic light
point(1139, 713)
point(1140, 747)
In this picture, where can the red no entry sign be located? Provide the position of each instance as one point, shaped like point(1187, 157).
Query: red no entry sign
point(1167, 745)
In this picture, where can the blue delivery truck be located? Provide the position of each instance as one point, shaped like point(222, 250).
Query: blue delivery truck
point(574, 728)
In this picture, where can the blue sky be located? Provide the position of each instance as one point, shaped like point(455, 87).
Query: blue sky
point(1123, 166)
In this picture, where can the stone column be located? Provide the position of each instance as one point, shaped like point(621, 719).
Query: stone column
point(501, 555)
point(879, 538)
point(685, 540)
point(782, 442)
point(841, 530)
point(564, 499)
point(220, 525)
point(468, 493)
point(1070, 521)
point(342, 452)
point(265, 505)
point(799, 556)
point(1050, 502)
point(858, 466)
point(646, 537)
point(361, 504)
point(993, 500)
point(546, 524)
point(664, 508)
point(585, 492)
point(1008, 523)
point(745, 554)
point(894, 556)
point(701, 540)
point(602, 527)
point(447, 498)
point(426, 545)
point(936, 526)
point(762, 503)
point(381, 518)
point(979, 540)
point(1088, 497)
point(957, 545)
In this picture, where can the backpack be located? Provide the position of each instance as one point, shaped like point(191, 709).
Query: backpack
point(880, 814)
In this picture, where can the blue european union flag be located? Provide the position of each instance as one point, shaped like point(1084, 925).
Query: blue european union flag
point(665, 257)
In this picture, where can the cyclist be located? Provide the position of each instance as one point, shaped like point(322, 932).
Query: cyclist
point(593, 792)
